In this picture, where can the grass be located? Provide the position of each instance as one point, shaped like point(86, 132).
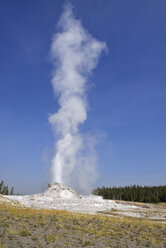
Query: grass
point(25, 227)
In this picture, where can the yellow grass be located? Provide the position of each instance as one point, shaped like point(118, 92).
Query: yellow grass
point(44, 227)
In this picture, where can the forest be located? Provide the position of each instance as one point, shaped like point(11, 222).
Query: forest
point(136, 193)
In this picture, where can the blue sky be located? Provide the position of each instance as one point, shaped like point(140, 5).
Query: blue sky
point(127, 91)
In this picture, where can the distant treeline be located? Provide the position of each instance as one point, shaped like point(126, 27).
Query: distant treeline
point(4, 189)
point(150, 194)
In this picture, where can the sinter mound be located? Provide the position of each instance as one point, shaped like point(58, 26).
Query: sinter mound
point(59, 196)
point(60, 190)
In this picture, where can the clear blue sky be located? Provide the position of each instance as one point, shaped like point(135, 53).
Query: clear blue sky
point(127, 96)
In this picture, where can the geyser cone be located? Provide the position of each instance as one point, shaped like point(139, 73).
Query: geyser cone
point(59, 190)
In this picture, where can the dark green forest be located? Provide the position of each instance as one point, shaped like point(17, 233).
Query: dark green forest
point(136, 193)
point(4, 189)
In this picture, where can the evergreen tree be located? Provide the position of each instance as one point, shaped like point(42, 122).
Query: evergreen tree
point(1, 186)
point(4, 190)
point(12, 191)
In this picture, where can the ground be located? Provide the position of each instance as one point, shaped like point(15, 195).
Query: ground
point(27, 227)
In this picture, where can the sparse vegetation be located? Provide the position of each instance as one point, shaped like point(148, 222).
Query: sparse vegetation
point(136, 193)
point(24, 227)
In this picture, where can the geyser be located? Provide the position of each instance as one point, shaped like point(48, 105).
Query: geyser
point(75, 54)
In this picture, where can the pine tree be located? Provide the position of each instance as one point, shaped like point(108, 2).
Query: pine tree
point(1, 186)
point(12, 191)
point(5, 190)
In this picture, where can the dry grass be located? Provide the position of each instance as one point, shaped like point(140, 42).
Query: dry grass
point(24, 227)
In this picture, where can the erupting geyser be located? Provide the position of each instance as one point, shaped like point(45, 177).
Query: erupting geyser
point(75, 54)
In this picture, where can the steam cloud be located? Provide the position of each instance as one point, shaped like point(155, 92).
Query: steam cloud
point(75, 53)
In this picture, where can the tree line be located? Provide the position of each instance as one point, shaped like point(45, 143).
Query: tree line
point(136, 193)
point(4, 189)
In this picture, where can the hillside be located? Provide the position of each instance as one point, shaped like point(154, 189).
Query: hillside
point(28, 227)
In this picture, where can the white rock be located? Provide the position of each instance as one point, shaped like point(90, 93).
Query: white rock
point(59, 196)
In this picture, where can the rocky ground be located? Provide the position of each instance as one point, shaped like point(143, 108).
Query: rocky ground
point(109, 223)
point(61, 197)
point(27, 227)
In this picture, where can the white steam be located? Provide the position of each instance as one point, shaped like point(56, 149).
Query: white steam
point(75, 53)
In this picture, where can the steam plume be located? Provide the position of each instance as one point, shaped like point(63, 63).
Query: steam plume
point(75, 53)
